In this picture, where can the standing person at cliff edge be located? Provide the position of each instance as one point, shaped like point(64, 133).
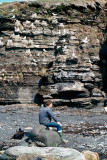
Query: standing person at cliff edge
point(45, 117)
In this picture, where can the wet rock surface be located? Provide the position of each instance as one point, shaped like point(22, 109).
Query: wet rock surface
point(85, 129)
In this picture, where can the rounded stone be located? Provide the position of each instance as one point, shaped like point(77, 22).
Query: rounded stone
point(89, 155)
point(48, 137)
point(60, 153)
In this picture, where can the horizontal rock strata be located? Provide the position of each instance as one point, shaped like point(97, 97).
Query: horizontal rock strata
point(53, 51)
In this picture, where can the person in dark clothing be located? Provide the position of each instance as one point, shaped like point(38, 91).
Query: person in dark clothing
point(45, 117)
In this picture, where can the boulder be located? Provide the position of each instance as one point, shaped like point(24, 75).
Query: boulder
point(59, 153)
point(49, 138)
point(88, 102)
point(81, 102)
point(77, 86)
point(34, 157)
point(89, 155)
point(96, 92)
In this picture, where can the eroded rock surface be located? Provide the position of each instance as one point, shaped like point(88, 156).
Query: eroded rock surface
point(35, 157)
point(59, 153)
point(44, 46)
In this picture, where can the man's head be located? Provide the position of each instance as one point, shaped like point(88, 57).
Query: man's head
point(48, 103)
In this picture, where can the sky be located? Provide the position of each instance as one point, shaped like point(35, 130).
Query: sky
point(1, 1)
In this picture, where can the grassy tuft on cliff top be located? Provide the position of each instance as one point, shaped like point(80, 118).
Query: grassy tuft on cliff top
point(7, 10)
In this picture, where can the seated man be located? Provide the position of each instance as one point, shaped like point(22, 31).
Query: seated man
point(45, 117)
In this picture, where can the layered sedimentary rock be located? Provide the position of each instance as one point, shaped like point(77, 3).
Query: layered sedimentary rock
point(53, 51)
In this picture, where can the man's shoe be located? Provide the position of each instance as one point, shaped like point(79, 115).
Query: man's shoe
point(65, 141)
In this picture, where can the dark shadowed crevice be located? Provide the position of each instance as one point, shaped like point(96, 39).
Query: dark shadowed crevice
point(103, 61)
point(8, 103)
point(38, 99)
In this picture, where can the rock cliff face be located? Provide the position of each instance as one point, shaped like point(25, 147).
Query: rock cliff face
point(53, 51)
